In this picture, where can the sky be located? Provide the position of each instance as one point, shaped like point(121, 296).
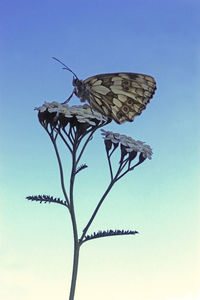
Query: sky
point(160, 198)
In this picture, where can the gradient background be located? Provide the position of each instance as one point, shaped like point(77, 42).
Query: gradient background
point(160, 199)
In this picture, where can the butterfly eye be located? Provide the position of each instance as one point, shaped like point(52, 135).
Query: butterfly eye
point(75, 81)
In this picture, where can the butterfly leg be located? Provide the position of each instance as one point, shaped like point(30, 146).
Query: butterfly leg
point(68, 99)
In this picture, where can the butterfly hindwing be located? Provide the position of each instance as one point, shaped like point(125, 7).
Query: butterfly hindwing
point(120, 96)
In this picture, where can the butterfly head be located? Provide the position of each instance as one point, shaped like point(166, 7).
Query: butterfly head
point(80, 89)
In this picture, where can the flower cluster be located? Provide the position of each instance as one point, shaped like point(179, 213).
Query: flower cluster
point(127, 143)
point(82, 113)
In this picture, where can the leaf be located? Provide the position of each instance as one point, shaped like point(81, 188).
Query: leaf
point(110, 232)
point(81, 168)
point(46, 199)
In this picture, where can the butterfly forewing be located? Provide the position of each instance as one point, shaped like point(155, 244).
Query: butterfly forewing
point(120, 96)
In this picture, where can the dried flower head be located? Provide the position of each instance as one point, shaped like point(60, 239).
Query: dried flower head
point(55, 112)
point(128, 144)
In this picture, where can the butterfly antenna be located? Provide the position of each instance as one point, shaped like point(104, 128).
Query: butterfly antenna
point(65, 67)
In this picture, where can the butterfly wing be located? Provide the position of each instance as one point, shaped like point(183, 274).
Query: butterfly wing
point(120, 96)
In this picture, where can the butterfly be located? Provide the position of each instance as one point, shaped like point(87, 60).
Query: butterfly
point(119, 96)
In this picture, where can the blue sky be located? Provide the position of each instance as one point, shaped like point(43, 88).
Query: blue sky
point(160, 199)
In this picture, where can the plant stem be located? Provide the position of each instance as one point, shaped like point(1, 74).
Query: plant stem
point(75, 270)
point(76, 246)
point(74, 225)
point(96, 210)
point(61, 172)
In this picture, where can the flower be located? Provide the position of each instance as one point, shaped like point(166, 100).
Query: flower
point(127, 143)
point(82, 113)
point(109, 135)
point(147, 151)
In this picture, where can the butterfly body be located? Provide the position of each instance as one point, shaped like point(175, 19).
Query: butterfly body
point(81, 90)
point(119, 96)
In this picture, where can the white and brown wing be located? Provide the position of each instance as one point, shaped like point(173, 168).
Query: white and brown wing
point(120, 96)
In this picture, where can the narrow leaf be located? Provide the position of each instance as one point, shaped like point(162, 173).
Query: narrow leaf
point(46, 199)
point(105, 233)
point(81, 168)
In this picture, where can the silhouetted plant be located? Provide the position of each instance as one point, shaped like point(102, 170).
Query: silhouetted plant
point(75, 127)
